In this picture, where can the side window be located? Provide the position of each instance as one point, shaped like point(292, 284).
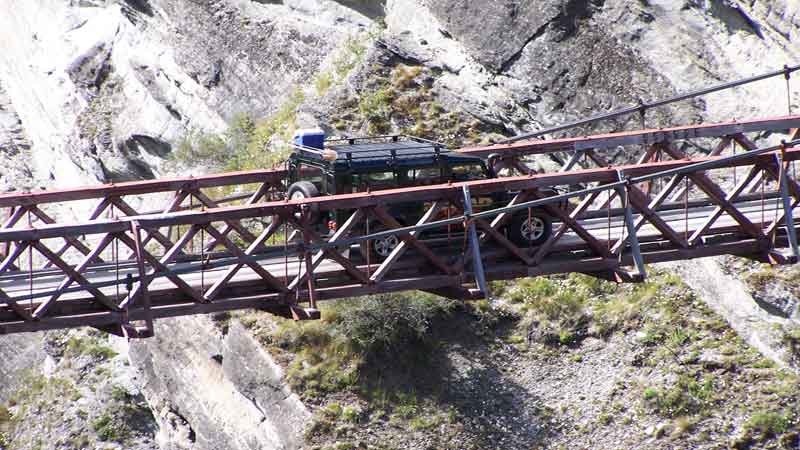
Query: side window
point(468, 172)
point(375, 181)
point(310, 173)
point(428, 175)
point(381, 177)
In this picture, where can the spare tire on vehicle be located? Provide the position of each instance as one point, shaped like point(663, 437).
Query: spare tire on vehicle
point(304, 189)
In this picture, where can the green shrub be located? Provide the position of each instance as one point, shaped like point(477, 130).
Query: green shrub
point(206, 148)
point(686, 397)
point(323, 83)
point(351, 54)
point(108, 429)
point(382, 325)
point(332, 411)
point(89, 345)
point(247, 143)
point(375, 108)
point(119, 393)
point(351, 414)
point(380, 329)
point(531, 289)
point(767, 423)
point(424, 423)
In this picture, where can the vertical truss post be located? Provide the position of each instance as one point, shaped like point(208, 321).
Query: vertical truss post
point(633, 240)
point(144, 281)
point(307, 259)
point(477, 262)
point(787, 207)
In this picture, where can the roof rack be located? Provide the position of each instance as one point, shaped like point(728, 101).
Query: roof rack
point(391, 148)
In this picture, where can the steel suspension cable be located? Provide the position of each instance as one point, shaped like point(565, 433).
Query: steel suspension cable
point(786, 71)
point(787, 75)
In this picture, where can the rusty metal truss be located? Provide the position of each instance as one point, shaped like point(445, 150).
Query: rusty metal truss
point(119, 269)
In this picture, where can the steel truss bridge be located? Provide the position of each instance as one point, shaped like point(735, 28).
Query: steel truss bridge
point(232, 241)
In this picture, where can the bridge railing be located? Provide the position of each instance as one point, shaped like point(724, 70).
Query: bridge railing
point(130, 199)
point(449, 248)
point(643, 145)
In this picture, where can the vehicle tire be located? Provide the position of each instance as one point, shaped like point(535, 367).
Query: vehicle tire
point(304, 189)
point(525, 232)
point(379, 249)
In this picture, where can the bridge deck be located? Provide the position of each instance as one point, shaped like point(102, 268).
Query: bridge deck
point(73, 308)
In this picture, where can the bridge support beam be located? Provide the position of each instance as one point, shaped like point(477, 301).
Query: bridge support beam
point(630, 226)
point(788, 216)
point(148, 330)
point(477, 262)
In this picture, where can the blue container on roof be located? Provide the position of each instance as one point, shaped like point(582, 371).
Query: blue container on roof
point(313, 138)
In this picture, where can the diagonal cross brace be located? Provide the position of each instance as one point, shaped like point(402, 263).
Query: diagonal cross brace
point(217, 287)
point(340, 234)
point(401, 248)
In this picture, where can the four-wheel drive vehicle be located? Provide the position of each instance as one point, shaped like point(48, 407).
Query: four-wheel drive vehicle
point(340, 166)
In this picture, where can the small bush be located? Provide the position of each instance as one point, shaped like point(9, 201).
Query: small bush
point(380, 326)
point(532, 289)
point(352, 53)
point(332, 411)
point(351, 414)
point(323, 83)
point(686, 397)
point(378, 330)
point(767, 423)
point(375, 108)
point(108, 429)
point(424, 423)
point(120, 394)
point(247, 143)
point(77, 345)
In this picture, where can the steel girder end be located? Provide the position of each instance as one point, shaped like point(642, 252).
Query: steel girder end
point(127, 331)
point(293, 312)
point(617, 276)
point(457, 293)
point(624, 276)
point(777, 258)
point(299, 313)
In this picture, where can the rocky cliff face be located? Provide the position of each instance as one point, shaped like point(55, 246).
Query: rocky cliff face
point(211, 385)
point(103, 90)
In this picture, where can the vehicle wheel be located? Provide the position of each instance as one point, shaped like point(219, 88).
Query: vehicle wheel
point(527, 230)
point(304, 189)
point(379, 249)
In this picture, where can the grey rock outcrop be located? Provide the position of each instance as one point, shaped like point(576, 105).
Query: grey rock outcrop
point(105, 88)
point(214, 390)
